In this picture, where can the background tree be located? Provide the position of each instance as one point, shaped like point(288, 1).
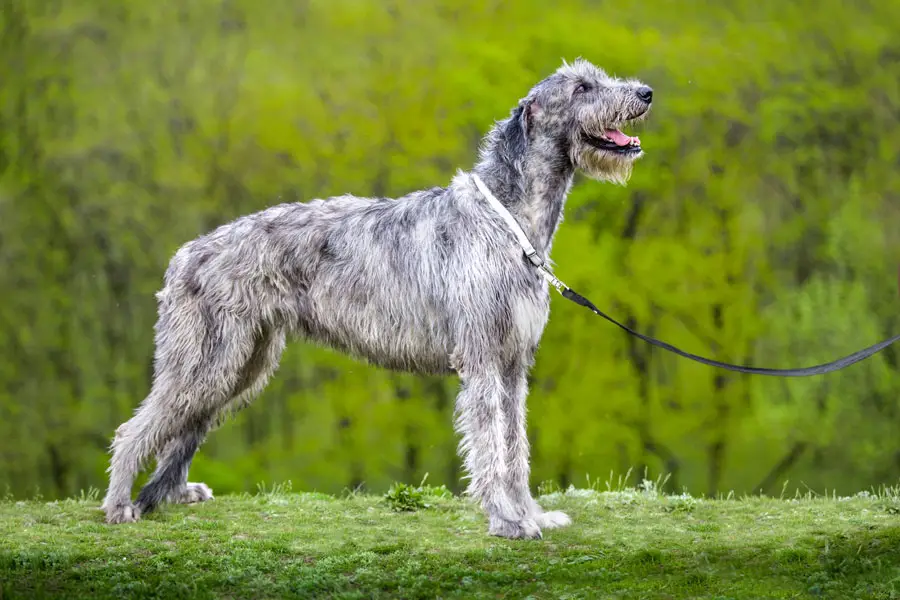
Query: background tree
point(760, 228)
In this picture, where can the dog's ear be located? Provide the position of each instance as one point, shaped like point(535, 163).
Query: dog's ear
point(529, 109)
point(515, 134)
point(520, 126)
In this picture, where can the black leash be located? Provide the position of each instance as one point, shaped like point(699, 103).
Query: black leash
point(804, 372)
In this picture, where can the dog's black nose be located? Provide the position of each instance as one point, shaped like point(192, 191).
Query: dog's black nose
point(645, 94)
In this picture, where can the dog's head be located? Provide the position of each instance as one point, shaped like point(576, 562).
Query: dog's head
point(580, 111)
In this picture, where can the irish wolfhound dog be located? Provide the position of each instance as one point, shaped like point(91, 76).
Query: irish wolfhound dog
point(432, 282)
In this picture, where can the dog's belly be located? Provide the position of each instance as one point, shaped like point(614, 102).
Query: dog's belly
point(402, 336)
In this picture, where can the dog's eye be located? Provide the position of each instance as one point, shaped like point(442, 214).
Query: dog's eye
point(581, 88)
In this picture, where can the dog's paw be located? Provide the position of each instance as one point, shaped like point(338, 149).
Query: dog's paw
point(122, 513)
point(526, 529)
point(552, 520)
point(193, 493)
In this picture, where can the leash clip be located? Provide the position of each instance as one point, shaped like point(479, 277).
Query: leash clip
point(552, 279)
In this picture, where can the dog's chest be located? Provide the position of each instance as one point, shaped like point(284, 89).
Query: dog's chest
point(529, 315)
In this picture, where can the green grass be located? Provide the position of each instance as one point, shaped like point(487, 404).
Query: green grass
point(423, 543)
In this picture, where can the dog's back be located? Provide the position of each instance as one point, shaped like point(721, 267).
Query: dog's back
point(368, 276)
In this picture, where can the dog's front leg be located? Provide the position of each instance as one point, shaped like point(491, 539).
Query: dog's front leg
point(515, 387)
point(482, 422)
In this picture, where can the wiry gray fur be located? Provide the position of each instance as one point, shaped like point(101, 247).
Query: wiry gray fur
point(431, 282)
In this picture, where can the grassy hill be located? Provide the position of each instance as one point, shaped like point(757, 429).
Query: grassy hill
point(624, 543)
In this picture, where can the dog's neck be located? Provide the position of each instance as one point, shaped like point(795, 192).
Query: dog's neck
point(530, 179)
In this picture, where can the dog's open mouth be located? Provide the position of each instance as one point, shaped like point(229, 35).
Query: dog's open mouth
point(613, 140)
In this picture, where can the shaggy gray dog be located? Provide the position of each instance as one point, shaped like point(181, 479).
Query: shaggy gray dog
point(432, 282)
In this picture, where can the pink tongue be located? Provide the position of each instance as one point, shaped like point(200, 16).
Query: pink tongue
point(620, 138)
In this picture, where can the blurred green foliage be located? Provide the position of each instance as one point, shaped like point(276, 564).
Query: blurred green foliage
point(760, 228)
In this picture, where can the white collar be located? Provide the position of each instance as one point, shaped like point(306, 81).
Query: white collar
point(529, 250)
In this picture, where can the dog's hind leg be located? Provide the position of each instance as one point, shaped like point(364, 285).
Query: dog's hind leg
point(169, 482)
point(200, 356)
point(134, 442)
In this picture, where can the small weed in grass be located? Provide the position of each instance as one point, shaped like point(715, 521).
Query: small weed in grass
point(402, 497)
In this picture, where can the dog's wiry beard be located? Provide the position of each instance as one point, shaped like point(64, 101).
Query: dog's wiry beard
point(602, 166)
